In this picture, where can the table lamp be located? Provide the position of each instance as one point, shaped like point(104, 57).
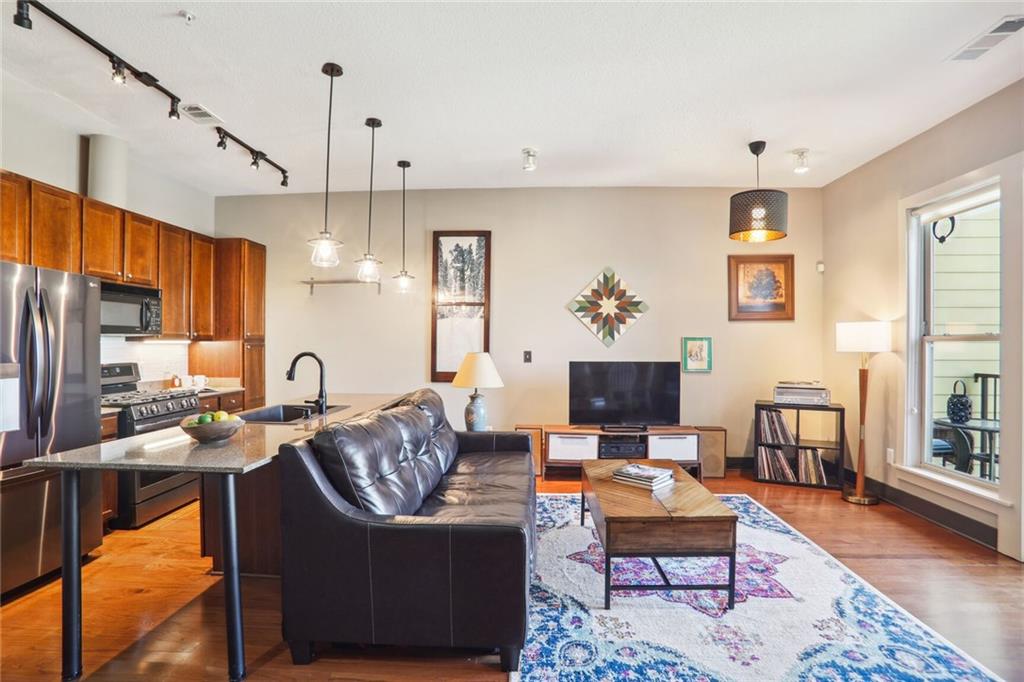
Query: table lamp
point(477, 371)
point(863, 338)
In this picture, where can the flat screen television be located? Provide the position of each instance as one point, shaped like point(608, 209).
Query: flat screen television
point(624, 393)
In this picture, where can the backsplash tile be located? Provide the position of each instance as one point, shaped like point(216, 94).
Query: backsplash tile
point(157, 361)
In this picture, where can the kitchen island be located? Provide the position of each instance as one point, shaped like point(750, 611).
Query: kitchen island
point(250, 450)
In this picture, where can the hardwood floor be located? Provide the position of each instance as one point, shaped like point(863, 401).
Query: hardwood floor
point(152, 611)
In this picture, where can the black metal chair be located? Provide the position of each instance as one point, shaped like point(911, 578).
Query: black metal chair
point(955, 447)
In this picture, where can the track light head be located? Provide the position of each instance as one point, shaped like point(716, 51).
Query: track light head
point(256, 158)
point(173, 113)
point(21, 17)
point(222, 141)
point(117, 71)
point(284, 179)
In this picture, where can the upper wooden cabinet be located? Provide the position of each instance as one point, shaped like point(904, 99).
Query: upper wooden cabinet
point(141, 246)
point(14, 218)
point(102, 240)
point(203, 254)
point(175, 282)
point(56, 240)
point(240, 282)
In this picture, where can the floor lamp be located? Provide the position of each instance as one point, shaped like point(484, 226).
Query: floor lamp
point(864, 338)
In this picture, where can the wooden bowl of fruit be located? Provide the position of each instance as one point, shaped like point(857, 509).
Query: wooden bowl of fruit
point(211, 427)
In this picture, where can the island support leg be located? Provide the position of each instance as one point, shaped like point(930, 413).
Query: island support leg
point(232, 583)
point(71, 577)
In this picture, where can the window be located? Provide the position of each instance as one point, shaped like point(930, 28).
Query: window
point(958, 347)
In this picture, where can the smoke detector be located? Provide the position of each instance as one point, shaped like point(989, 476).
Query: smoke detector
point(981, 44)
point(201, 115)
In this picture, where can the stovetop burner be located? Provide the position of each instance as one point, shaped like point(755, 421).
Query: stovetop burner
point(137, 397)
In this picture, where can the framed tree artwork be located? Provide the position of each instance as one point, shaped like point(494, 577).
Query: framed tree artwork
point(761, 288)
point(461, 299)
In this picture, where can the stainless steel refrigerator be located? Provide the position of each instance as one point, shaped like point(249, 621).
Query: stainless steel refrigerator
point(49, 403)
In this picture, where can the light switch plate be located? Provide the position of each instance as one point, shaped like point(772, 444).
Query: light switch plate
point(890, 455)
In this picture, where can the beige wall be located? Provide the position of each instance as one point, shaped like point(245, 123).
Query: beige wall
point(864, 248)
point(669, 244)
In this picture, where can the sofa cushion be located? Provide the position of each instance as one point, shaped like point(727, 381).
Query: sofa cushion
point(383, 463)
point(519, 463)
point(443, 440)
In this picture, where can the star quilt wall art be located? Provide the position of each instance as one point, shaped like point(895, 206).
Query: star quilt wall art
point(607, 307)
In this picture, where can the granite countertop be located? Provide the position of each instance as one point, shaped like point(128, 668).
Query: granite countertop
point(104, 411)
point(171, 450)
point(220, 390)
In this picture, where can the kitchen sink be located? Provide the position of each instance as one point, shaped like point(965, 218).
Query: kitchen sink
point(285, 414)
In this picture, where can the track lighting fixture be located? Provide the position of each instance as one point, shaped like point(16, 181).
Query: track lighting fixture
point(403, 278)
point(369, 266)
point(256, 157)
point(800, 165)
point(21, 17)
point(117, 73)
point(173, 113)
point(325, 247)
point(529, 159)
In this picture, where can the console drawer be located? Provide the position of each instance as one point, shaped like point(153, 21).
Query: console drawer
point(681, 448)
point(566, 447)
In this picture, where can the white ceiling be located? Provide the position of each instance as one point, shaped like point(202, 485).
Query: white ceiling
point(610, 94)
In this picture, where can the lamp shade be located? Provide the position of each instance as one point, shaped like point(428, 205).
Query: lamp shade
point(477, 371)
point(758, 215)
point(863, 337)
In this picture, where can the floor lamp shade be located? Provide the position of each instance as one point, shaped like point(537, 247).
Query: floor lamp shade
point(477, 371)
point(864, 338)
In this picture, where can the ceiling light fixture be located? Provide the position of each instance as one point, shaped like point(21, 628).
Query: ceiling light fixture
point(404, 278)
point(173, 113)
point(529, 159)
point(284, 179)
point(325, 247)
point(21, 17)
point(800, 165)
point(255, 164)
point(222, 140)
point(369, 266)
point(256, 157)
point(758, 215)
point(117, 71)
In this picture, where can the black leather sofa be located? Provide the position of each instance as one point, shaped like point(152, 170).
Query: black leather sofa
point(398, 530)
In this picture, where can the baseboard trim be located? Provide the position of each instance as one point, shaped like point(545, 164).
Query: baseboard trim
point(964, 526)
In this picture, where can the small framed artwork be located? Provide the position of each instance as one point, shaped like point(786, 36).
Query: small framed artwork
point(697, 354)
point(761, 288)
point(461, 301)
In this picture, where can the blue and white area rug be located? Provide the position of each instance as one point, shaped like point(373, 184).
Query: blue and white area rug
point(799, 615)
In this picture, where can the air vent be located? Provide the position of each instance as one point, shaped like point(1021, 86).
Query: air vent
point(981, 44)
point(201, 115)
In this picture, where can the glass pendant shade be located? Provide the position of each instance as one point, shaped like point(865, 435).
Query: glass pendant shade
point(404, 280)
point(325, 250)
point(758, 215)
point(369, 268)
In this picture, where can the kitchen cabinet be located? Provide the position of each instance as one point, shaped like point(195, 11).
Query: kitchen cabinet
point(233, 402)
point(141, 250)
point(202, 287)
point(108, 487)
point(254, 374)
point(56, 228)
point(240, 283)
point(102, 240)
point(175, 282)
point(210, 403)
point(14, 218)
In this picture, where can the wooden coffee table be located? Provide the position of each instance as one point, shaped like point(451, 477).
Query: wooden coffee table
point(685, 520)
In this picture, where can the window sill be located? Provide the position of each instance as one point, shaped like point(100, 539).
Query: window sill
point(946, 485)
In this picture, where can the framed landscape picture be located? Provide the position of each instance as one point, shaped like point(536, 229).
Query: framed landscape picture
point(461, 299)
point(761, 288)
point(697, 354)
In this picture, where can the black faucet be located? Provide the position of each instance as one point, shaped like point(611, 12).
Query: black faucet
point(321, 397)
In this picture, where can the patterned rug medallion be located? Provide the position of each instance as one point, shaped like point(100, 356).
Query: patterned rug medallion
point(800, 614)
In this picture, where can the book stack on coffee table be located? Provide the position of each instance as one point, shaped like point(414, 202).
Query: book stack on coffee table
point(642, 476)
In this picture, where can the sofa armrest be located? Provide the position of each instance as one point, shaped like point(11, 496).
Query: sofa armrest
point(493, 441)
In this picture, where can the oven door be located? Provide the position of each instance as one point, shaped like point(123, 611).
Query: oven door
point(130, 311)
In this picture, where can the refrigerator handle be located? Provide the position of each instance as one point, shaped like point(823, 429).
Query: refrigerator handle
point(31, 361)
point(49, 396)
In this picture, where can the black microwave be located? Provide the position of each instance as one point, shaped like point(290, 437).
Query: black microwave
point(127, 310)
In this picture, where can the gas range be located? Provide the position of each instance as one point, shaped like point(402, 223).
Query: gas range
point(144, 410)
point(137, 397)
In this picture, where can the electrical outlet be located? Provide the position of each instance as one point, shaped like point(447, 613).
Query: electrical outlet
point(527, 356)
point(890, 455)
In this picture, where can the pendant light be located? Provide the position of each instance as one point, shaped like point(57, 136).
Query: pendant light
point(325, 247)
point(758, 215)
point(369, 266)
point(403, 278)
